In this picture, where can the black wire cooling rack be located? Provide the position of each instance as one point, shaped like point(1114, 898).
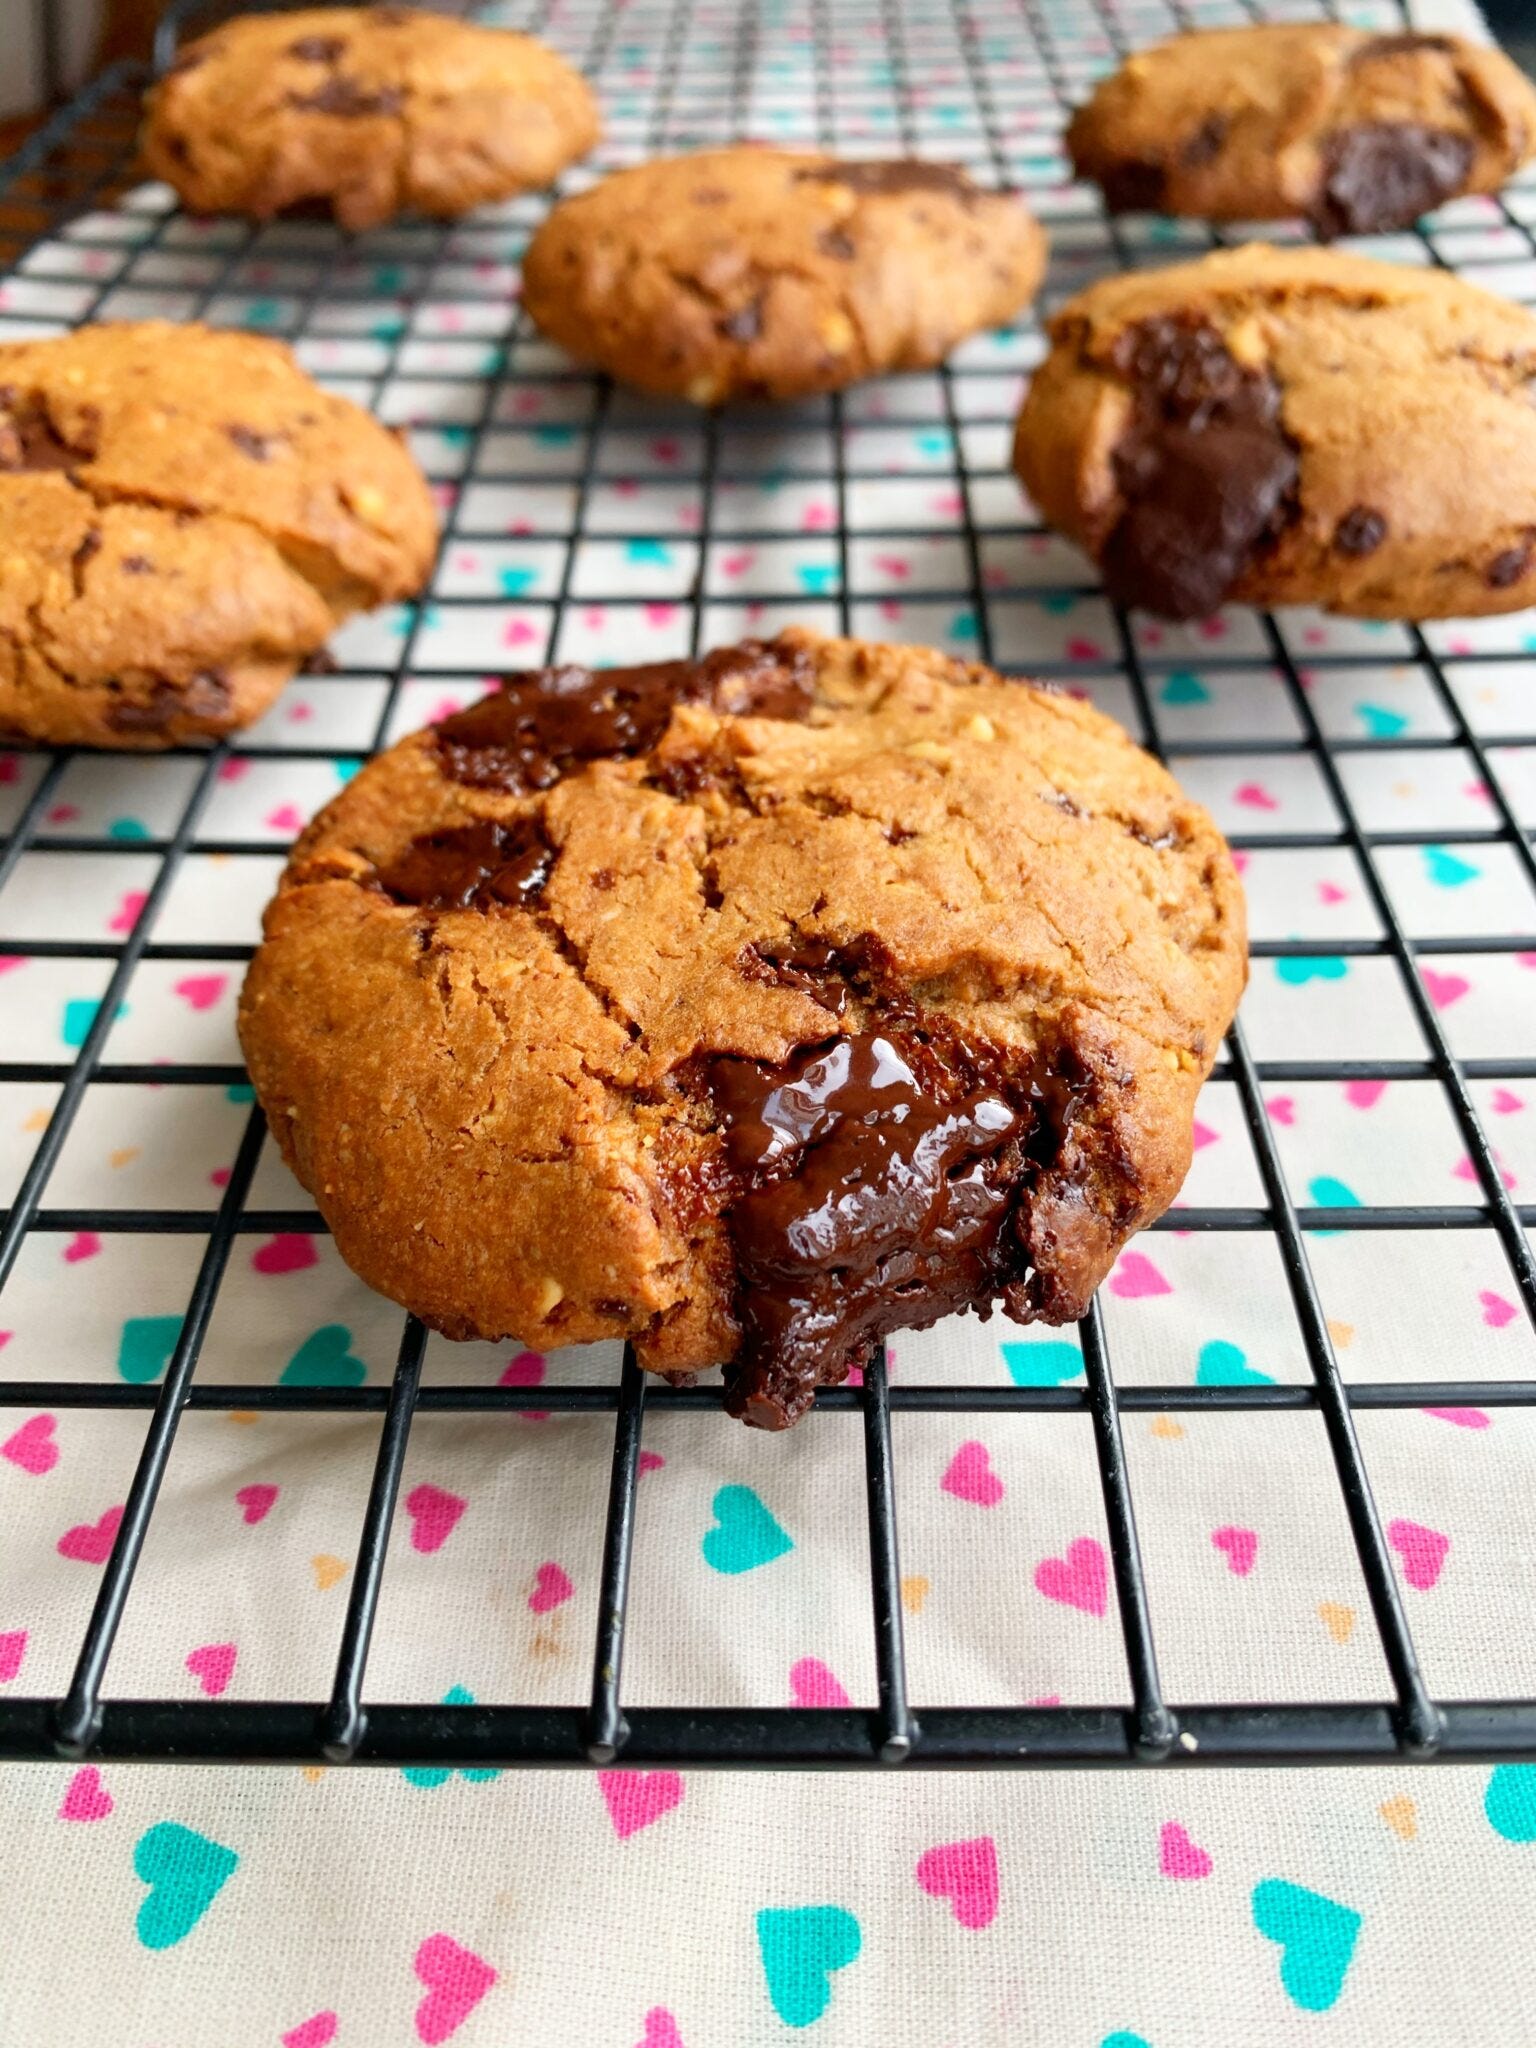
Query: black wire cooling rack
point(81, 161)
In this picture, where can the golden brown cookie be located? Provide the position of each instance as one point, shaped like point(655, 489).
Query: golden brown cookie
point(185, 517)
point(749, 1008)
point(753, 273)
point(1291, 426)
point(1357, 132)
point(368, 111)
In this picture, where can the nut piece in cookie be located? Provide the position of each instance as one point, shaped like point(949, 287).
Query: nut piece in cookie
point(365, 111)
point(1272, 426)
point(754, 273)
point(749, 1008)
point(186, 517)
point(1357, 132)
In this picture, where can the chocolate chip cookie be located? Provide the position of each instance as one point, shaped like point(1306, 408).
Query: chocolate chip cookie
point(185, 517)
point(367, 112)
point(1357, 132)
point(754, 273)
point(1293, 426)
point(749, 1008)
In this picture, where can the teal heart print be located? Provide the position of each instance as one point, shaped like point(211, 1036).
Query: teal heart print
point(801, 1947)
point(325, 1359)
point(745, 1534)
point(1510, 1802)
point(145, 1347)
point(185, 1872)
point(1317, 1940)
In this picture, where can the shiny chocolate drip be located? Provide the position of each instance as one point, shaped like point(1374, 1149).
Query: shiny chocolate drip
point(544, 722)
point(472, 867)
point(875, 1190)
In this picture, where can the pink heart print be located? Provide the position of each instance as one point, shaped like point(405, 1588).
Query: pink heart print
point(552, 1588)
point(213, 1666)
point(85, 1797)
point(638, 1799)
point(434, 1515)
point(1496, 1310)
point(1080, 1579)
point(13, 1647)
point(1505, 1102)
point(811, 1684)
point(965, 1873)
point(32, 1447)
point(1364, 1094)
point(1422, 1550)
point(202, 991)
point(1241, 1547)
point(85, 1244)
point(1443, 989)
point(91, 1542)
point(1463, 1418)
point(651, 1461)
point(661, 2030)
point(1254, 796)
point(1281, 1109)
point(316, 2032)
point(456, 1980)
point(286, 818)
point(291, 1251)
point(255, 1502)
point(1135, 1278)
point(969, 1476)
point(1178, 1856)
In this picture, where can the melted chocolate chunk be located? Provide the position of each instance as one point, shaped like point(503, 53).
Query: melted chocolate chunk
point(207, 695)
point(745, 324)
point(710, 195)
point(877, 1191)
point(343, 96)
point(811, 966)
point(1384, 174)
point(28, 440)
point(833, 242)
point(544, 721)
point(1360, 532)
point(258, 446)
point(1205, 469)
point(136, 565)
point(1508, 567)
point(894, 174)
point(317, 49)
point(1407, 45)
point(1134, 186)
point(472, 867)
point(1204, 146)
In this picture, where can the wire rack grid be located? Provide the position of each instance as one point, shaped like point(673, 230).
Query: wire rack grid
point(986, 83)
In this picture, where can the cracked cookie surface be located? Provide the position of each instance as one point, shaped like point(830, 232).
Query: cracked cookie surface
point(365, 111)
point(186, 516)
point(1274, 426)
point(748, 1008)
point(756, 273)
point(1356, 132)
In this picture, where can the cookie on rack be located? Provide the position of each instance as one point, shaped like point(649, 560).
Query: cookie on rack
point(749, 1008)
point(365, 112)
point(1357, 132)
point(756, 273)
point(186, 516)
point(1291, 426)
